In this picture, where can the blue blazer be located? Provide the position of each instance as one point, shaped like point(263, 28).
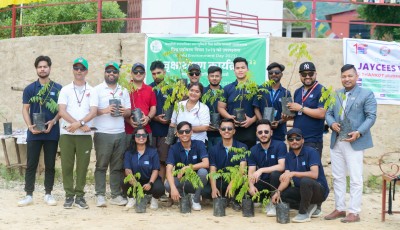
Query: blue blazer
point(360, 110)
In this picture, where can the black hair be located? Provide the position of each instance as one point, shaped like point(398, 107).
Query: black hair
point(240, 59)
point(213, 69)
point(183, 123)
point(227, 120)
point(347, 67)
point(157, 65)
point(263, 122)
point(201, 88)
point(133, 144)
point(42, 58)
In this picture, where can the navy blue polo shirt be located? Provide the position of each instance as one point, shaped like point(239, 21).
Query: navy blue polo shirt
point(158, 129)
point(230, 93)
point(144, 164)
point(273, 99)
point(212, 107)
point(261, 159)
point(177, 153)
point(30, 91)
point(220, 159)
point(312, 128)
point(302, 163)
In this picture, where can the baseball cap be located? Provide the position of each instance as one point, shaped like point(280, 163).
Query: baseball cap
point(112, 63)
point(307, 66)
point(294, 131)
point(81, 60)
point(138, 64)
point(275, 64)
point(194, 67)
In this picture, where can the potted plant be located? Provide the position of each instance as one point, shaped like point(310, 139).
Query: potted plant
point(219, 203)
point(269, 111)
point(330, 97)
point(298, 51)
point(212, 96)
point(7, 125)
point(188, 176)
point(43, 98)
point(136, 190)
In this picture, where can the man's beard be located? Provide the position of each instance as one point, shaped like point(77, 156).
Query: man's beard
point(266, 142)
point(45, 76)
point(111, 82)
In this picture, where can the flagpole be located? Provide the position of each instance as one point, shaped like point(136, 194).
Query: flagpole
point(13, 21)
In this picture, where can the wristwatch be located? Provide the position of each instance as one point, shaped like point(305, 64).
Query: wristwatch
point(151, 184)
point(82, 123)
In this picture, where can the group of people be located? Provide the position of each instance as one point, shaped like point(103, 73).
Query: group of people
point(128, 147)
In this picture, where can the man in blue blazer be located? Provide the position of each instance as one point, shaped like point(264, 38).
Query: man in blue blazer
point(359, 107)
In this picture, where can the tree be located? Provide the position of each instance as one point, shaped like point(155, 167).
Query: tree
point(65, 13)
point(382, 14)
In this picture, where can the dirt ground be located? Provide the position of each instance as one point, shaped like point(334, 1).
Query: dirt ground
point(41, 216)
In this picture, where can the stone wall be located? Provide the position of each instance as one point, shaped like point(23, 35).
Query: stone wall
point(18, 55)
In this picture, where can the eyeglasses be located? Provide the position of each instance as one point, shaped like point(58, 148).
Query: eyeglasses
point(260, 132)
point(291, 139)
point(140, 135)
point(304, 74)
point(227, 128)
point(141, 72)
point(186, 131)
point(114, 71)
point(194, 73)
point(156, 73)
point(276, 72)
point(82, 69)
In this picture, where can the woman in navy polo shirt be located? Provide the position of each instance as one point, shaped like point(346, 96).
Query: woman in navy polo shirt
point(143, 159)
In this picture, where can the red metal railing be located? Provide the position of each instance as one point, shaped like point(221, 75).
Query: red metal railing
point(239, 19)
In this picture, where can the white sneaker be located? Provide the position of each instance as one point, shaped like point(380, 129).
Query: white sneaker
point(154, 203)
point(101, 201)
point(119, 200)
point(195, 206)
point(26, 201)
point(130, 204)
point(49, 199)
point(271, 212)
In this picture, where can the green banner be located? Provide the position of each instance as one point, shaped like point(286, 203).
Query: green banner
point(208, 50)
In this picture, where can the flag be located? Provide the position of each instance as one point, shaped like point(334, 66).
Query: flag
point(300, 7)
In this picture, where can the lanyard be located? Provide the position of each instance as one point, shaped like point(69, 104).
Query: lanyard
point(273, 95)
point(304, 98)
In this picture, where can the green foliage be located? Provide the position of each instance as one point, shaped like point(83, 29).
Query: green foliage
point(65, 13)
point(10, 174)
point(218, 29)
point(136, 188)
point(124, 79)
point(297, 51)
point(226, 176)
point(330, 96)
point(248, 89)
point(43, 98)
point(290, 5)
point(256, 197)
point(188, 175)
point(382, 14)
point(212, 96)
point(239, 182)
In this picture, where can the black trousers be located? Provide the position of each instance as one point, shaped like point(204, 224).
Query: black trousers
point(157, 190)
point(273, 180)
point(221, 186)
point(309, 192)
point(317, 146)
point(246, 135)
point(33, 155)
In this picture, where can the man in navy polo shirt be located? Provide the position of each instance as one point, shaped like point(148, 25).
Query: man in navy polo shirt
point(266, 162)
point(303, 166)
point(214, 78)
point(36, 140)
point(245, 131)
point(159, 125)
point(188, 152)
point(220, 158)
point(273, 99)
point(310, 112)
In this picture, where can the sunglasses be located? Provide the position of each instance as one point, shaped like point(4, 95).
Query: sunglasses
point(141, 72)
point(291, 139)
point(276, 72)
point(194, 73)
point(141, 135)
point(156, 73)
point(263, 131)
point(114, 71)
point(82, 69)
point(186, 131)
point(227, 128)
point(310, 74)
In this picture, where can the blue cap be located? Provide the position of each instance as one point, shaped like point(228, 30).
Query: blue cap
point(138, 64)
point(295, 131)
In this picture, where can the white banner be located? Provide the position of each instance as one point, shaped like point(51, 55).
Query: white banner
point(378, 67)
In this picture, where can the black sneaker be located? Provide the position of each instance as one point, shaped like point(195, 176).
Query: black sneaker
point(81, 203)
point(236, 206)
point(68, 202)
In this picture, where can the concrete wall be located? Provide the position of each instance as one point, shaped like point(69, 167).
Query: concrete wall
point(18, 55)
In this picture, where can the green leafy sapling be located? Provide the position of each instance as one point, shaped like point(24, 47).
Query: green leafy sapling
point(187, 174)
point(136, 188)
point(43, 98)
